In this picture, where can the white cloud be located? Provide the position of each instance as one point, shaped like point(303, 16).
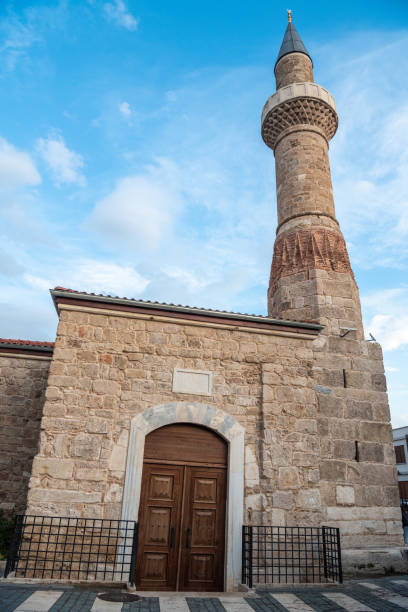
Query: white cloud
point(124, 108)
point(99, 276)
point(17, 169)
point(37, 282)
point(140, 210)
point(118, 13)
point(92, 275)
point(17, 38)
point(19, 33)
point(368, 154)
point(64, 164)
point(388, 317)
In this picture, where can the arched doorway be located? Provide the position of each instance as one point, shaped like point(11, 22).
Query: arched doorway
point(182, 510)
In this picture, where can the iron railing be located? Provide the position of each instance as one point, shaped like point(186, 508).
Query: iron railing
point(290, 555)
point(69, 548)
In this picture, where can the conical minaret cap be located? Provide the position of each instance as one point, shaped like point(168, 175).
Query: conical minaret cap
point(291, 43)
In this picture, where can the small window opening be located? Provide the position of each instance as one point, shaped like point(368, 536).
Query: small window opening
point(357, 454)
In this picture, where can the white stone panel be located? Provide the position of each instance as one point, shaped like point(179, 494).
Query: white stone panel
point(196, 382)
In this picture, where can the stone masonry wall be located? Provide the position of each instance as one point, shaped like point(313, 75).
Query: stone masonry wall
point(107, 369)
point(22, 386)
point(303, 180)
point(293, 68)
point(301, 423)
point(356, 462)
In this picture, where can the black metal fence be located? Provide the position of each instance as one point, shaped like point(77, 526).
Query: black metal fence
point(290, 555)
point(73, 548)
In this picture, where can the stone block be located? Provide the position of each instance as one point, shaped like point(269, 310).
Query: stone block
point(359, 410)
point(306, 425)
point(333, 470)
point(52, 467)
point(328, 378)
point(344, 449)
point(372, 474)
point(392, 497)
point(379, 382)
point(114, 493)
point(53, 393)
point(345, 495)
point(117, 461)
point(308, 499)
point(284, 394)
point(90, 474)
point(288, 478)
point(371, 451)
point(64, 354)
point(372, 495)
point(64, 496)
point(107, 387)
point(330, 406)
point(376, 432)
point(374, 350)
point(96, 425)
point(282, 499)
point(86, 445)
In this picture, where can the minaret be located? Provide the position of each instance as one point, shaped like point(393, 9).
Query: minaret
point(311, 277)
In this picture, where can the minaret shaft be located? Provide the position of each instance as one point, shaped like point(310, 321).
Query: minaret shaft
point(311, 276)
point(303, 180)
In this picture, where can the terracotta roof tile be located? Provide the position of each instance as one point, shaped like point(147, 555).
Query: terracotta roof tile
point(26, 342)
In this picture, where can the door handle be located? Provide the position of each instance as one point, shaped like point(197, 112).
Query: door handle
point(172, 534)
point(188, 538)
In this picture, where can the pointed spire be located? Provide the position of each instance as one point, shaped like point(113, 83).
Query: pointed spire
point(292, 42)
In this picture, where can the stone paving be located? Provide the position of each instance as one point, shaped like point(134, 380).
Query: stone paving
point(383, 595)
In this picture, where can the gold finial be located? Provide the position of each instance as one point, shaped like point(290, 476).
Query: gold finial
point(289, 15)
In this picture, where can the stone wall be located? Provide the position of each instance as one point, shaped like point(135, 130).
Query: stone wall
point(22, 386)
point(303, 179)
point(106, 369)
point(301, 422)
point(293, 68)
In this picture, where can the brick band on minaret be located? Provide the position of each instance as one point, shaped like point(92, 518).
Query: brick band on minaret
point(298, 121)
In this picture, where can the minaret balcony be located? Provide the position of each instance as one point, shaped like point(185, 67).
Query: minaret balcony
point(306, 104)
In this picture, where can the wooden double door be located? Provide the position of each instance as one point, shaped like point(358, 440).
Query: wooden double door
point(182, 511)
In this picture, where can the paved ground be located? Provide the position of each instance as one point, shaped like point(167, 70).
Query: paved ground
point(383, 595)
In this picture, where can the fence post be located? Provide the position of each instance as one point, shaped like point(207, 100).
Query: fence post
point(339, 556)
point(134, 554)
point(250, 553)
point(324, 553)
point(14, 544)
point(243, 566)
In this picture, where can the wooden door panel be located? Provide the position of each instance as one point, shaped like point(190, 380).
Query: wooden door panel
point(159, 526)
point(203, 527)
point(202, 566)
point(205, 490)
point(161, 487)
point(155, 567)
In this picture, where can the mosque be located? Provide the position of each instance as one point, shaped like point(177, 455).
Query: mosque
point(195, 422)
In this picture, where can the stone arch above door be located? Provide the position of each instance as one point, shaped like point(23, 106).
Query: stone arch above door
point(220, 422)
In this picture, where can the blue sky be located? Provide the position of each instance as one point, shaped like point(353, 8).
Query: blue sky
point(131, 160)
